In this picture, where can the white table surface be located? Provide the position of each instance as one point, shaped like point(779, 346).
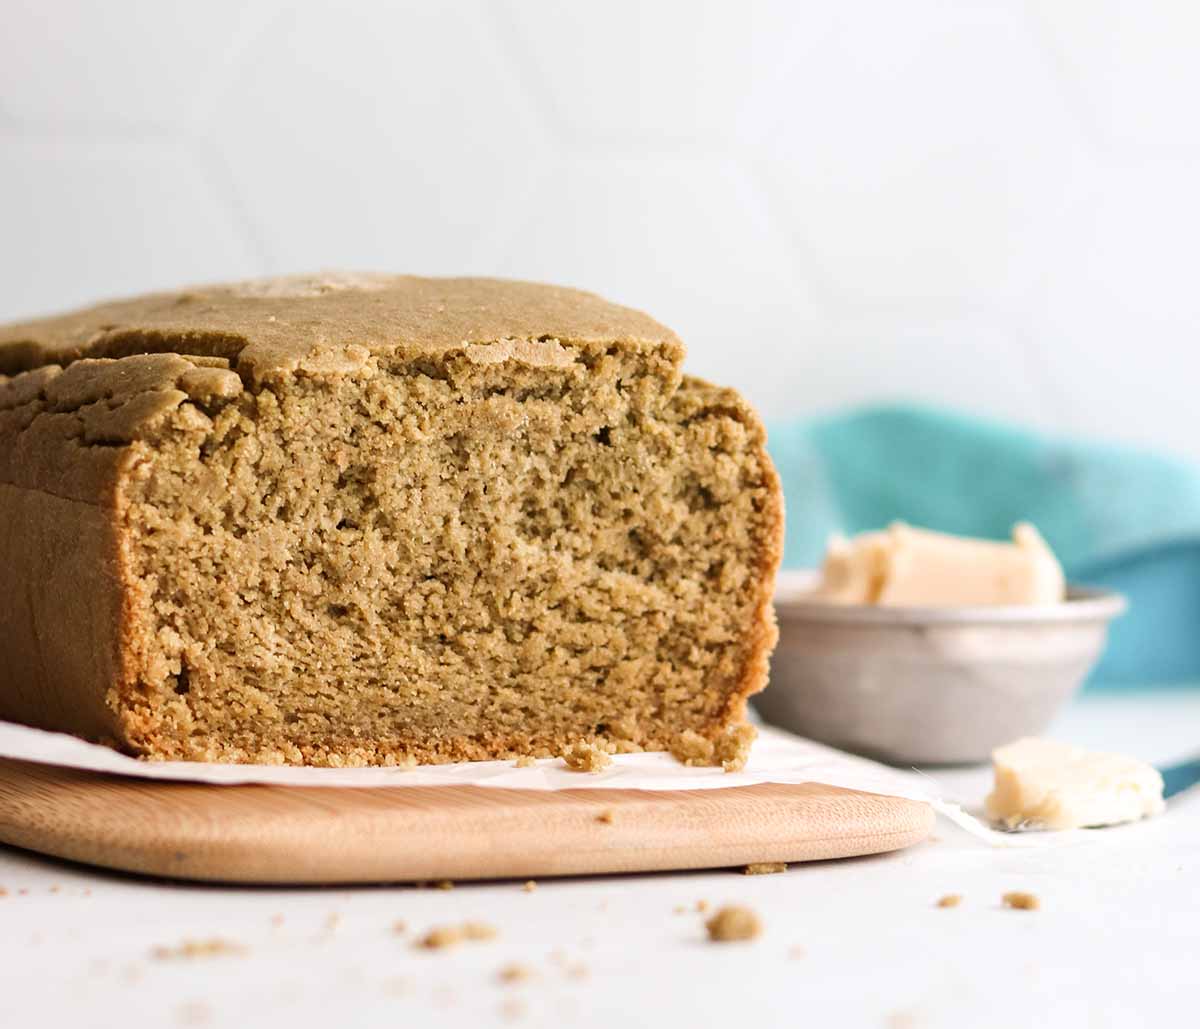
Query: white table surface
point(1116, 943)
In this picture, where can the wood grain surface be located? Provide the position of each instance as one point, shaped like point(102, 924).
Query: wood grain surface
point(275, 834)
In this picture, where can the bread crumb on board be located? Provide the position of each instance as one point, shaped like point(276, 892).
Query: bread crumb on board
point(732, 924)
point(1021, 901)
point(730, 750)
point(586, 757)
point(515, 972)
point(950, 900)
point(189, 949)
point(765, 868)
point(444, 936)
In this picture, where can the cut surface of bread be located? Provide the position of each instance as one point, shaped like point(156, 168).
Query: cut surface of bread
point(376, 520)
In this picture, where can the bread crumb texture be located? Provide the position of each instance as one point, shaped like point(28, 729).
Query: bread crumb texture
point(950, 900)
point(586, 757)
point(765, 868)
point(373, 520)
point(730, 749)
point(731, 924)
point(1021, 901)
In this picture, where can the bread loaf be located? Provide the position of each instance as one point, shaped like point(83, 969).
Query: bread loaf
point(363, 519)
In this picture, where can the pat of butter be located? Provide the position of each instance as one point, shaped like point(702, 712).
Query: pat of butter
point(1046, 785)
point(907, 567)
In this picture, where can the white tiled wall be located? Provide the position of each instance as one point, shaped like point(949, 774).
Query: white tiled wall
point(992, 205)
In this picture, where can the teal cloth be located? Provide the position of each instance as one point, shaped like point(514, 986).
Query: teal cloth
point(1116, 516)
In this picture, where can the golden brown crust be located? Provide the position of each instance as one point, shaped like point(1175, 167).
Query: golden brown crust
point(763, 633)
point(62, 613)
point(318, 321)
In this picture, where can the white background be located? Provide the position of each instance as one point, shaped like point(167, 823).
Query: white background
point(991, 205)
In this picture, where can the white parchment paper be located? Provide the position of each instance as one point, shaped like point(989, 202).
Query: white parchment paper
point(777, 757)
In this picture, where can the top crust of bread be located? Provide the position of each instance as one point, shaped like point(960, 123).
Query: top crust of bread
point(327, 322)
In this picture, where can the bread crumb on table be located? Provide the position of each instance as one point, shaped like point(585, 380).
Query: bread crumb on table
point(399, 926)
point(702, 906)
point(443, 884)
point(445, 936)
point(765, 868)
point(442, 937)
point(478, 931)
point(188, 949)
point(732, 924)
point(516, 973)
point(530, 886)
point(586, 757)
point(950, 900)
point(577, 971)
point(525, 761)
point(1021, 901)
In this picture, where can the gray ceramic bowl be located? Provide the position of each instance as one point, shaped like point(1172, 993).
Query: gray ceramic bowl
point(928, 685)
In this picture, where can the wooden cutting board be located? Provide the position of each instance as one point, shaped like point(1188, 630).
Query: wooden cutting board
point(278, 834)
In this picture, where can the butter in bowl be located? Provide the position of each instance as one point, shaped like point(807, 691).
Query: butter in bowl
point(917, 647)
